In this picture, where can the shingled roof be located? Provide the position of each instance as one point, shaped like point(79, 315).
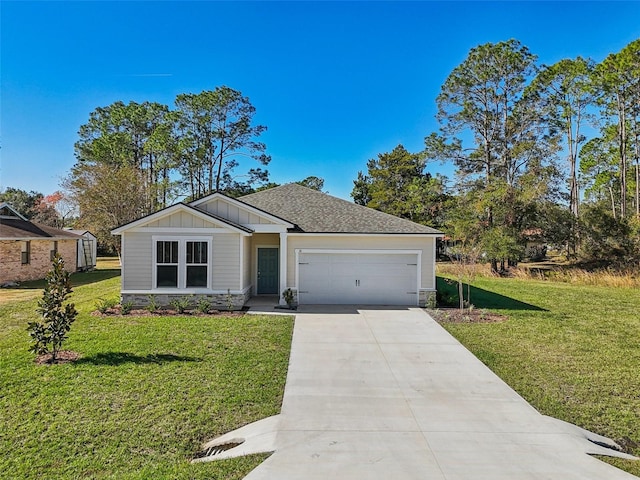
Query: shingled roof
point(13, 226)
point(18, 229)
point(316, 212)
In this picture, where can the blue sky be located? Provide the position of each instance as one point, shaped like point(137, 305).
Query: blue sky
point(336, 83)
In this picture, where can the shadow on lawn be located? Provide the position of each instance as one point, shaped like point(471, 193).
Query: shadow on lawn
point(77, 279)
point(481, 298)
point(120, 358)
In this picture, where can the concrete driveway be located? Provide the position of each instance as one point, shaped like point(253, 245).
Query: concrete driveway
point(376, 393)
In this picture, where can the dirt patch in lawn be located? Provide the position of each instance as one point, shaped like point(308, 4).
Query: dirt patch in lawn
point(455, 315)
point(63, 356)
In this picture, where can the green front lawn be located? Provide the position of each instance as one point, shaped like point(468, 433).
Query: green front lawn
point(143, 397)
point(572, 351)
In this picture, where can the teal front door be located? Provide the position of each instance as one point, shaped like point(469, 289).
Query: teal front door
point(268, 271)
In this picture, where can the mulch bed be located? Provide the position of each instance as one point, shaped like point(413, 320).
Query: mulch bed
point(455, 315)
point(63, 356)
point(168, 313)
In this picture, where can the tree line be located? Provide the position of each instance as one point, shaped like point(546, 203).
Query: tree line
point(551, 151)
point(137, 158)
point(544, 152)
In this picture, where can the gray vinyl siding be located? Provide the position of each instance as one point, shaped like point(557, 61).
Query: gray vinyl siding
point(246, 243)
point(137, 261)
point(226, 262)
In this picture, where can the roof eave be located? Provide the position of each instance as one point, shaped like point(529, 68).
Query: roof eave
point(170, 210)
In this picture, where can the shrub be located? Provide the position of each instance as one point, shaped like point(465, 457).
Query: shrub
point(287, 296)
point(152, 304)
point(181, 304)
point(105, 304)
point(126, 307)
point(49, 335)
point(229, 300)
point(203, 305)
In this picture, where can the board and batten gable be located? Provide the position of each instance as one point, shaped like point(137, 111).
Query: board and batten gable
point(224, 208)
point(423, 244)
point(181, 220)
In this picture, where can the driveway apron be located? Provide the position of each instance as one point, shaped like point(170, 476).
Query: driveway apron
point(376, 393)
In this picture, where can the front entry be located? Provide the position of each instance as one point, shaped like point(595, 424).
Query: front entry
point(268, 263)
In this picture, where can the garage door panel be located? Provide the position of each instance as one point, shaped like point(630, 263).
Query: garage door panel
point(365, 278)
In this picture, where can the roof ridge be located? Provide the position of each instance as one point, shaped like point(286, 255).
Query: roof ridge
point(328, 213)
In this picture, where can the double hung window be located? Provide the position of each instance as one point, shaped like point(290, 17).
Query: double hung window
point(182, 263)
point(197, 254)
point(167, 264)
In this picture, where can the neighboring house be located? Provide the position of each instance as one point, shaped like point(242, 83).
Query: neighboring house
point(26, 248)
point(87, 249)
point(327, 250)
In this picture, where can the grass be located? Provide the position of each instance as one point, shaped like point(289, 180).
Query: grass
point(146, 393)
point(107, 267)
point(572, 351)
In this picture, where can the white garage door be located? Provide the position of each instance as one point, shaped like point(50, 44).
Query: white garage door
point(358, 278)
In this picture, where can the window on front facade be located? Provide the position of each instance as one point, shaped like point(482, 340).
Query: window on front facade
point(26, 253)
point(167, 264)
point(182, 264)
point(197, 264)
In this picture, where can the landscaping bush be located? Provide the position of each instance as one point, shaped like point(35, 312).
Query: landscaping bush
point(49, 335)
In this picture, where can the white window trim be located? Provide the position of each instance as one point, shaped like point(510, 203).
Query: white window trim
point(182, 262)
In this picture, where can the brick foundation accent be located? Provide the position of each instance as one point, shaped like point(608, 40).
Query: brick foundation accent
point(219, 301)
point(12, 269)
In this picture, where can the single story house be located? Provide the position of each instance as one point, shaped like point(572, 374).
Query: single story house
point(26, 248)
point(325, 249)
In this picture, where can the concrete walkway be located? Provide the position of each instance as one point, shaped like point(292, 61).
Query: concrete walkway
point(389, 394)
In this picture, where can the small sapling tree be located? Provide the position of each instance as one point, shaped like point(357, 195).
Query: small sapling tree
point(57, 317)
point(465, 259)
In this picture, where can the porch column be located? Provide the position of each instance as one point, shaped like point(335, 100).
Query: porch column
point(283, 266)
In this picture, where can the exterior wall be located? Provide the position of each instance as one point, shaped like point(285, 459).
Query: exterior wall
point(425, 244)
point(12, 270)
point(233, 213)
point(246, 262)
point(138, 262)
point(226, 261)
